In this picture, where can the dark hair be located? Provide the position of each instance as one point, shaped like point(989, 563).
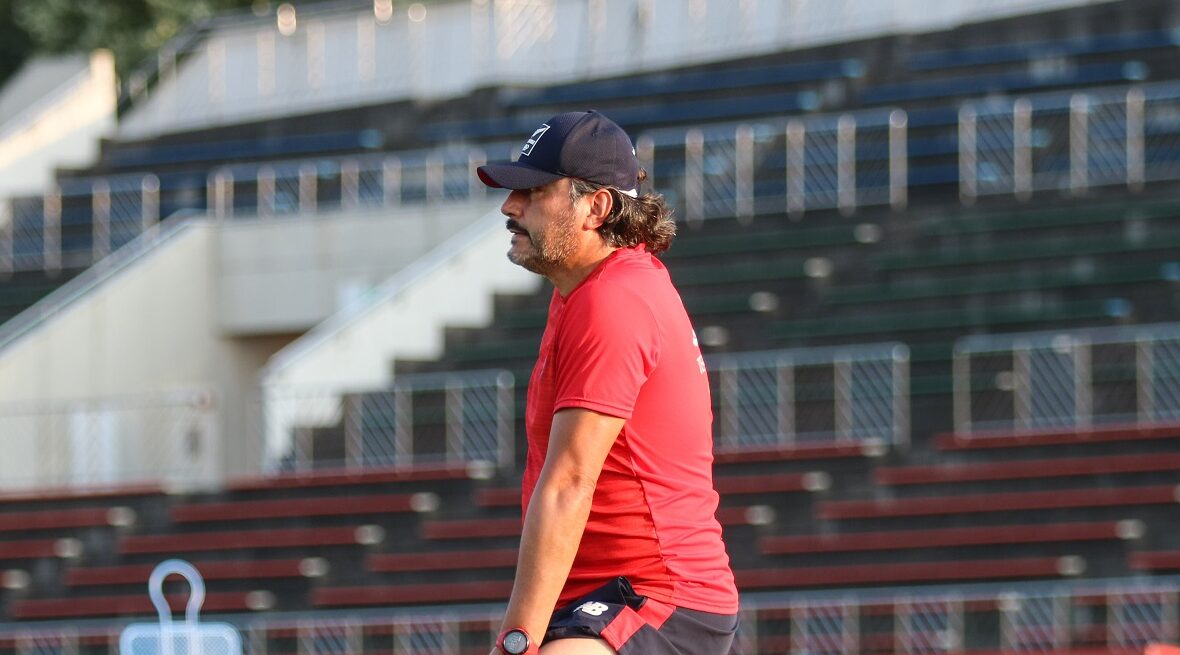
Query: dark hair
point(632, 221)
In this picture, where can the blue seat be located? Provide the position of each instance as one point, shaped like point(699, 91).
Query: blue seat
point(669, 83)
point(219, 151)
point(1003, 82)
point(1015, 52)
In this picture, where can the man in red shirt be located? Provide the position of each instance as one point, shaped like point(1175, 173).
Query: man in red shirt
point(619, 528)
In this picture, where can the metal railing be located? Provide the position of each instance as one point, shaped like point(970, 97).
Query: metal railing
point(1113, 616)
point(422, 419)
point(166, 437)
point(1067, 380)
point(1123, 136)
point(811, 397)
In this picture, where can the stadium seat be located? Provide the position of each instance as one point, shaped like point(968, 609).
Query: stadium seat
point(242, 510)
point(1023, 469)
point(924, 538)
point(1061, 499)
point(916, 573)
point(249, 540)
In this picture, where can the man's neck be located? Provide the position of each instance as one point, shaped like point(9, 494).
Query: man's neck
point(569, 277)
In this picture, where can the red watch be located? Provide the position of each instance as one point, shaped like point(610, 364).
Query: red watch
point(516, 641)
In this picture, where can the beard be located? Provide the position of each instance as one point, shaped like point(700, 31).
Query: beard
point(549, 246)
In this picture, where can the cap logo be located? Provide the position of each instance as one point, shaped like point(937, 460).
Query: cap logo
point(528, 145)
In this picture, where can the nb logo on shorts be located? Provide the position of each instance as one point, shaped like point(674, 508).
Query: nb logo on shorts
point(593, 608)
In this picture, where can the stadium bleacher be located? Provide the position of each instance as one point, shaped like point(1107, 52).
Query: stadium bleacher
point(848, 542)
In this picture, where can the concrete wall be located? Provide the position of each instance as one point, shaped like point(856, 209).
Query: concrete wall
point(74, 107)
point(131, 368)
point(283, 276)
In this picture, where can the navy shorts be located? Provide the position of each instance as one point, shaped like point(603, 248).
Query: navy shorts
point(633, 624)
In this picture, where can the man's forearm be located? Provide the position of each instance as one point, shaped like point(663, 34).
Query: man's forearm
point(549, 542)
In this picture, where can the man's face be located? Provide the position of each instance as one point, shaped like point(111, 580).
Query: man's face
point(544, 226)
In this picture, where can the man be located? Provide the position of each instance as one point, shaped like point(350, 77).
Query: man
point(619, 530)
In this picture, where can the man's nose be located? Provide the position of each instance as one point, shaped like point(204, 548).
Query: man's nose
point(512, 204)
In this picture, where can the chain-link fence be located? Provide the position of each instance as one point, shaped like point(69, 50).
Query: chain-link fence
point(811, 397)
point(168, 437)
point(1067, 380)
point(1029, 617)
point(448, 418)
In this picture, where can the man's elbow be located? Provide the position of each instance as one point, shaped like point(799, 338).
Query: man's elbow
point(573, 488)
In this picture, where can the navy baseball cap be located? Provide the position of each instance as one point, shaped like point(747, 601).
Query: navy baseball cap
point(581, 144)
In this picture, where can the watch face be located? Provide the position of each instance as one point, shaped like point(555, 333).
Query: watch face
point(516, 642)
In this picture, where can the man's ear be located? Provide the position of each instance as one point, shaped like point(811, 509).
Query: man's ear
point(601, 202)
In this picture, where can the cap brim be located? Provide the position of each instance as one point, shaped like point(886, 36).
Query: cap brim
point(514, 175)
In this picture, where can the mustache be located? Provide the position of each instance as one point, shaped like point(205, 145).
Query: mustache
point(513, 225)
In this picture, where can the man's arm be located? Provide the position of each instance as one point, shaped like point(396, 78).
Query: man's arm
point(578, 445)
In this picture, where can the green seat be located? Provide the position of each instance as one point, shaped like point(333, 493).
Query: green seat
point(992, 283)
point(1031, 250)
point(763, 241)
point(868, 325)
point(976, 223)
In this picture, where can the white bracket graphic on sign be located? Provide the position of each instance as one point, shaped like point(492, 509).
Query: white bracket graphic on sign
point(165, 638)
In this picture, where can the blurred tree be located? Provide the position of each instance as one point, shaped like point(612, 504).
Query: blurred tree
point(132, 29)
point(15, 44)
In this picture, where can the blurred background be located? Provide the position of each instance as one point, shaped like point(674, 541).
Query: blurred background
point(255, 311)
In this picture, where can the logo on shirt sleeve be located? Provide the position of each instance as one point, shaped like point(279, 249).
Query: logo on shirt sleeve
point(700, 358)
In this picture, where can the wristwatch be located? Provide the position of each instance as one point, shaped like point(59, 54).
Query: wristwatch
point(516, 641)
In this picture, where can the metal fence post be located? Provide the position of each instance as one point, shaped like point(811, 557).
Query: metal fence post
point(352, 406)
point(265, 183)
point(961, 391)
point(476, 157)
point(100, 216)
point(1136, 150)
point(898, 159)
point(645, 151)
point(1021, 388)
point(786, 402)
point(796, 181)
point(51, 230)
point(391, 181)
point(308, 188)
point(220, 194)
point(846, 164)
point(901, 396)
point(350, 184)
point(744, 173)
point(842, 400)
point(1083, 382)
point(506, 422)
point(1144, 382)
point(7, 218)
point(1022, 149)
point(968, 156)
point(403, 421)
point(149, 188)
point(1079, 143)
point(435, 176)
point(694, 183)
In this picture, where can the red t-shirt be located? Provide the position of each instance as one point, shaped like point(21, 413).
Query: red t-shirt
point(621, 344)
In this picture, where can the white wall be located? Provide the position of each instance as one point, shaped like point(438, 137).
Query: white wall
point(285, 275)
point(61, 128)
point(110, 371)
point(243, 71)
